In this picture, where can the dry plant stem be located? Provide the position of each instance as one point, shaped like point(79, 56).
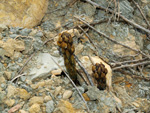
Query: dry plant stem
point(125, 19)
point(21, 70)
point(108, 38)
point(96, 52)
point(141, 13)
point(82, 77)
point(17, 77)
point(131, 65)
point(73, 84)
point(84, 70)
point(125, 62)
point(89, 39)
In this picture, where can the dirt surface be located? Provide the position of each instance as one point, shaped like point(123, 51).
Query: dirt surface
point(32, 82)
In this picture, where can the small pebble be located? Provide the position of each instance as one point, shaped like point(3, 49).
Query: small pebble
point(67, 94)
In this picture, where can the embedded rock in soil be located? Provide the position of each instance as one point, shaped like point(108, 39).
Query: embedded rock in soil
point(12, 45)
point(50, 106)
point(105, 101)
point(67, 94)
point(42, 65)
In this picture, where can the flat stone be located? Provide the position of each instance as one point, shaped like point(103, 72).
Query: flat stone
point(49, 106)
point(43, 65)
point(67, 94)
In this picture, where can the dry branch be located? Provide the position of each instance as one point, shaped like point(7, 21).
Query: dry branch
point(124, 18)
point(72, 84)
point(114, 41)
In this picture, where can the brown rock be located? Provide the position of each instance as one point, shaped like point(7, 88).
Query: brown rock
point(36, 100)
point(57, 90)
point(47, 98)
point(11, 90)
point(35, 108)
point(9, 102)
point(23, 94)
point(12, 45)
point(8, 75)
point(23, 13)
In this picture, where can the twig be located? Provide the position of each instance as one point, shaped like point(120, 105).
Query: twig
point(125, 62)
point(89, 40)
point(96, 52)
point(108, 38)
point(48, 41)
point(73, 85)
point(88, 76)
point(133, 65)
point(142, 13)
point(21, 70)
point(125, 19)
point(17, 77)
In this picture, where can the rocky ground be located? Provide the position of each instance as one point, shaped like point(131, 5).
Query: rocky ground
point(31, 82)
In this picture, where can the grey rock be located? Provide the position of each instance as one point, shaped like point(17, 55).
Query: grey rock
point(38, 44)
point(59, 96)
point(49, 106)
point(5, 110)
point(126, 9)
point(3, 85)
point(13, 66)
point(2, 95)
point(92, 93)
point(47, 26)
point(148, 46)
point(13, 36)
point(28, 46)
point(23, 78)
point(25, 32)
point(38, 34)
point(42, 65)
point(24, 86)
point(15, 30)
point(1, 66)
point(89, 9)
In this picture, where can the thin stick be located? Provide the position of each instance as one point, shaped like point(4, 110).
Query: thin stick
point(125, 19)
point(133, 65)
point(17, 77)
point(89, 39)
point(108, 38)
point(93, 45)
point(84, 70)
point(128, 61)
point(21, 70)
point(142, 13)
point(73, 84)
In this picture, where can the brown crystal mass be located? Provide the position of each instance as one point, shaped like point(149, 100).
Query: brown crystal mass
point(99, 75)
point(65, 42)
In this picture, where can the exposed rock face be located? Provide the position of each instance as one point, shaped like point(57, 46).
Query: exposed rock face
point(23, 13)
